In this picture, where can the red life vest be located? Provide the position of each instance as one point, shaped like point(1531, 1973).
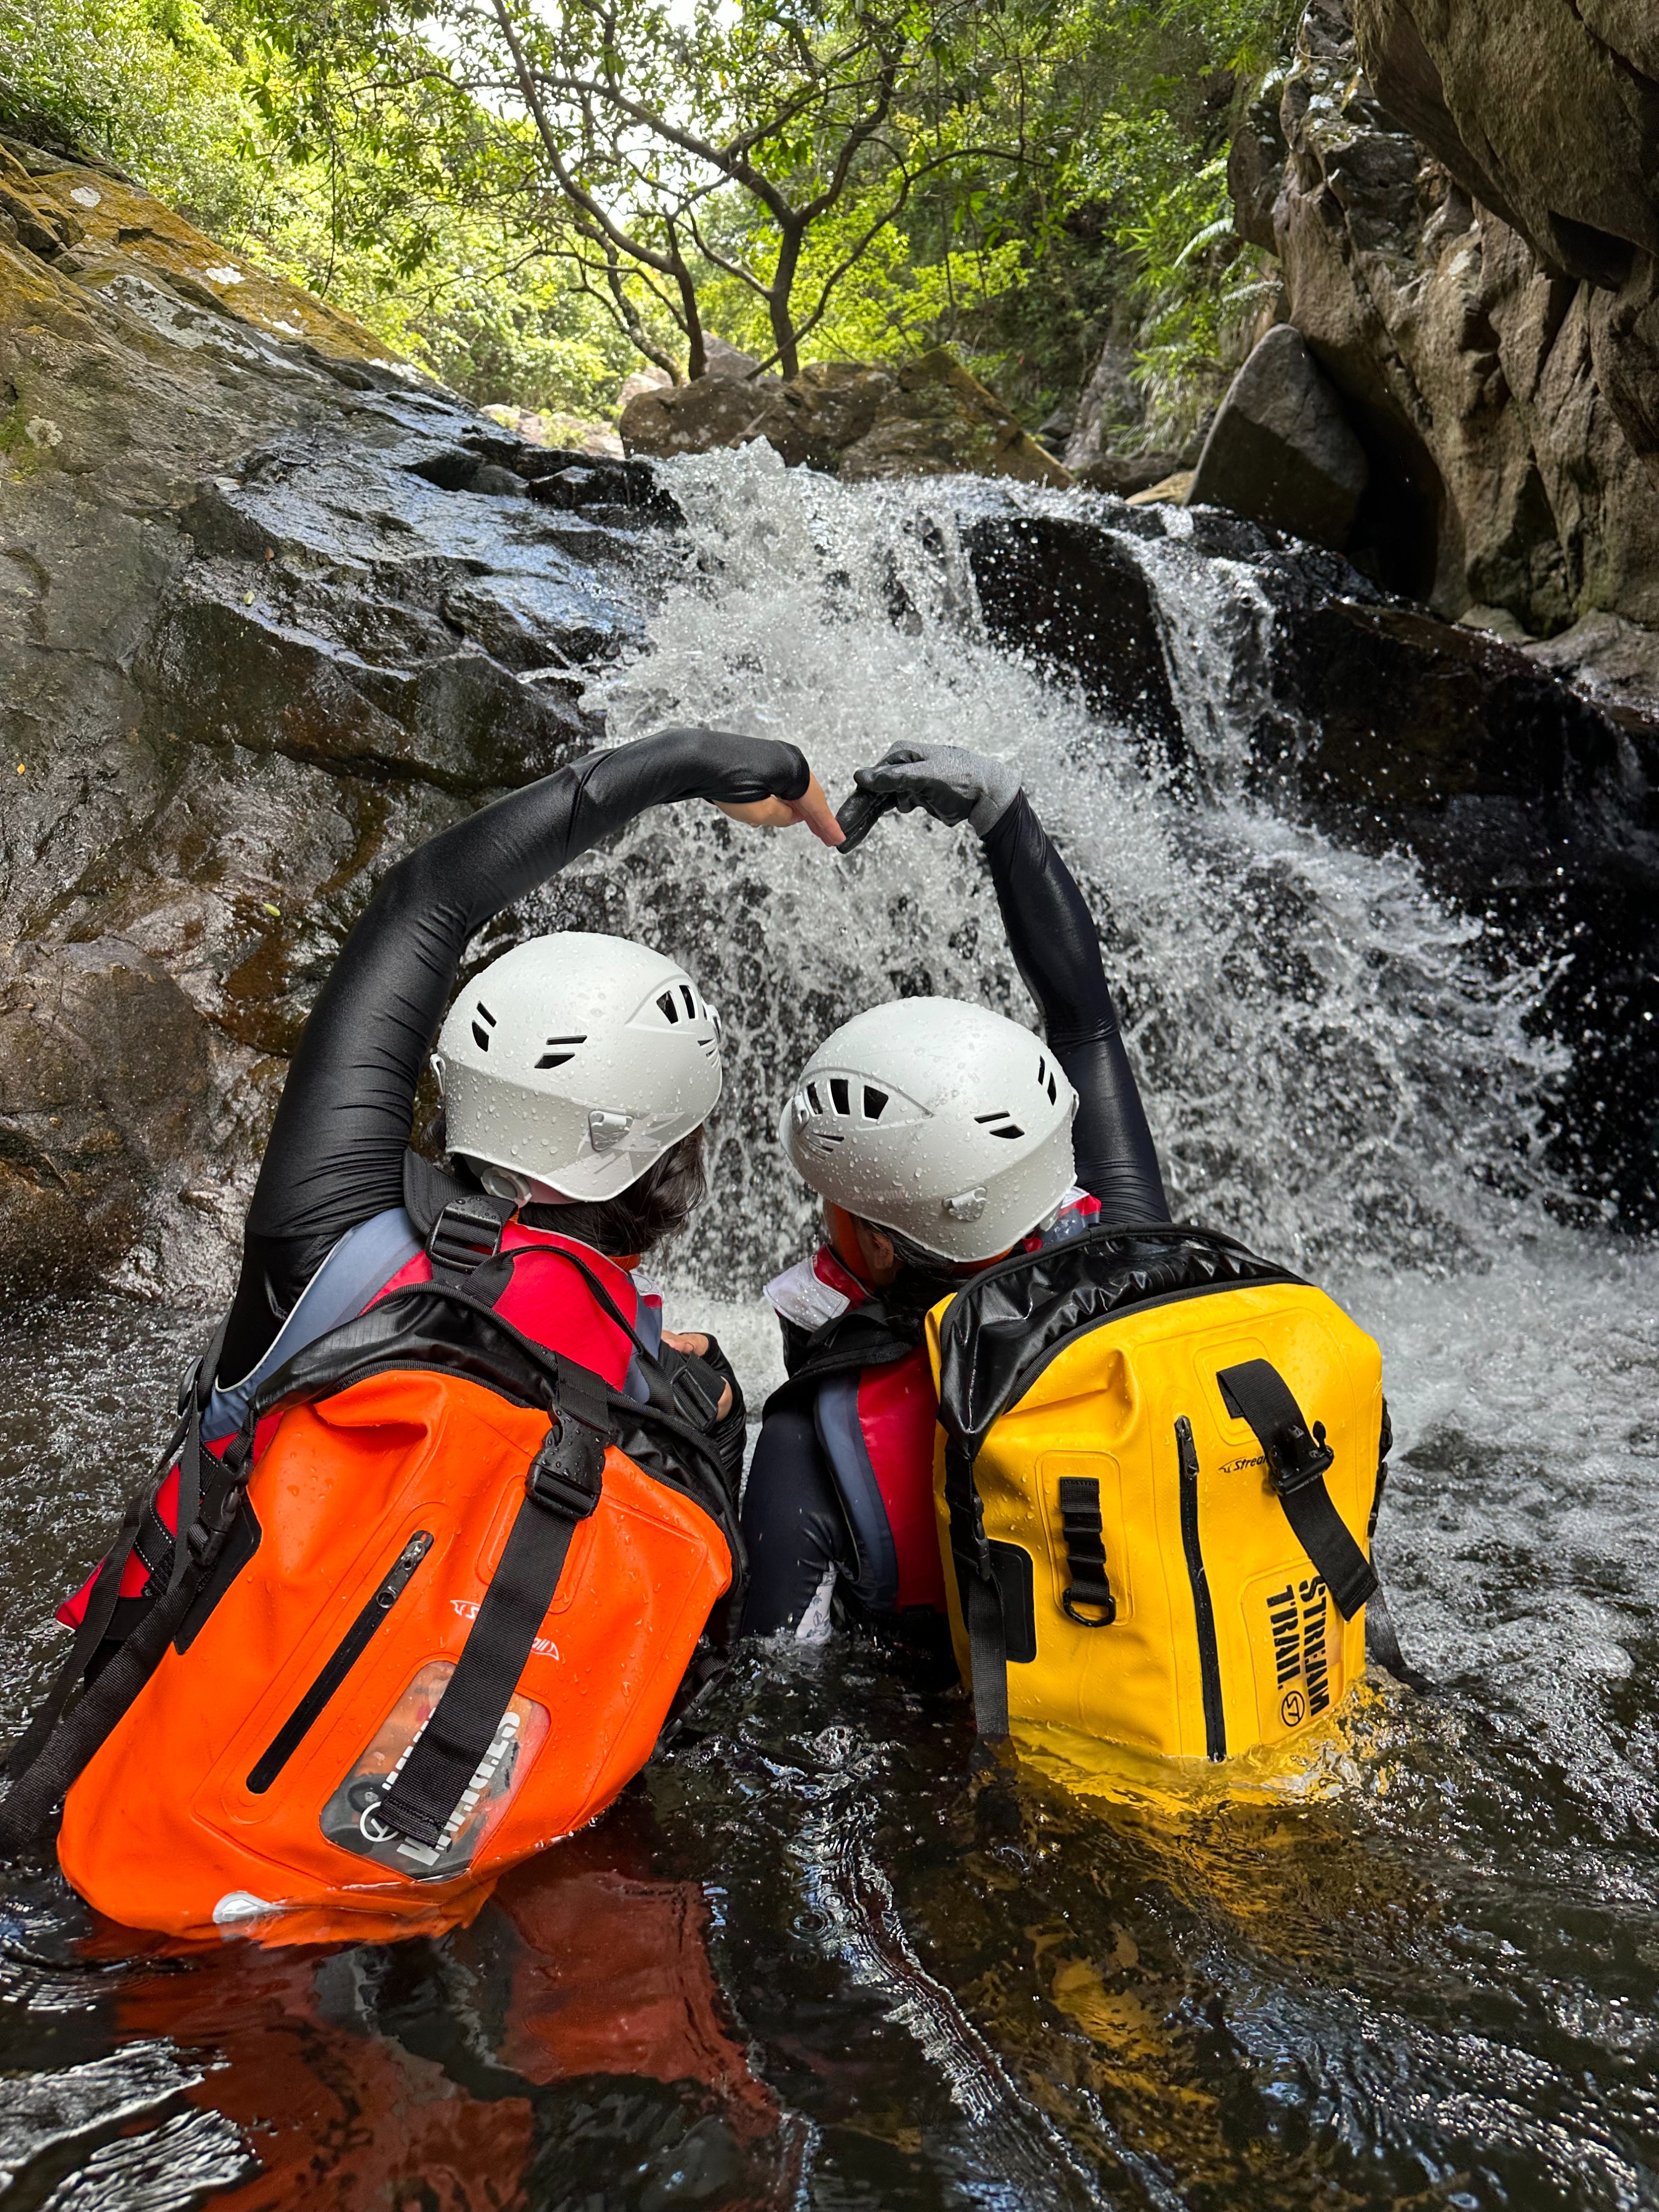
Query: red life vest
point(877, 1427)
point(547, 1298)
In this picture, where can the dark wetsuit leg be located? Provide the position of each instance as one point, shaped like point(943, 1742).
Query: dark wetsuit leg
point(793, 1524)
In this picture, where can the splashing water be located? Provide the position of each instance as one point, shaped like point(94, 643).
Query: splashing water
point(1333, 1061)
point(820, 1959)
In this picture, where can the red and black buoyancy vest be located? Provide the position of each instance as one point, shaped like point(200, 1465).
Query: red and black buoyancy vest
point(875, 1412)
point(548, 1298)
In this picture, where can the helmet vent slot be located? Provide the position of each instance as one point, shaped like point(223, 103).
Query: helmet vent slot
point(671, 1012)
point(1009, 1129)
point(691, 1003)
point(1054, 1096)
point(875, 1103)
point(839, 1097)
point(812, 1098)
point(480, 1033)
point(559, 1050)
point(997, 1113)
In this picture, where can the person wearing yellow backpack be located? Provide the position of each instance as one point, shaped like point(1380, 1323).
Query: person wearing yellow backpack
point(432, 1552)
point(1018, 1396)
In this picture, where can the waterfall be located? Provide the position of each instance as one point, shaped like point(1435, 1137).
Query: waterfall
point(1334, 1062)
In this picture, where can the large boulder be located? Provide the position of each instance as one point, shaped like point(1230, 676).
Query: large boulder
point(1280, 449)
point(713, 411)
point(940, 420)
point(928, 418)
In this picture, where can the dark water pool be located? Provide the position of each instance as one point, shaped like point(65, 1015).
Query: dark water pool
point(824, 1957)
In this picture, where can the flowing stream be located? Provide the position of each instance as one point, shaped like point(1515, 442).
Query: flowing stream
point(823, 1956)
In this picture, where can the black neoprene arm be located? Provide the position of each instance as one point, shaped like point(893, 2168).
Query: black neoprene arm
point(335, 1151)
point(1056, 949)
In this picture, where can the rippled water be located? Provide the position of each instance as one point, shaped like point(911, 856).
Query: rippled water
point(826, 1956)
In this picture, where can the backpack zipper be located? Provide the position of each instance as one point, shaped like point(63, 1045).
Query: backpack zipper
point(339, 1663)
point(1209, 1659)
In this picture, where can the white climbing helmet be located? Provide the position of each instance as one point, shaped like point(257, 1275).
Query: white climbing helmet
point(573, 1062)
point(940, 1120)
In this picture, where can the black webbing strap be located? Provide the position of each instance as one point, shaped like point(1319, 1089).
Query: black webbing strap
point(979, 1594)
point(1297, 1456)
point(53, 1753)
point(1085, 1554)
point(140, 1526)
point(563, 1487)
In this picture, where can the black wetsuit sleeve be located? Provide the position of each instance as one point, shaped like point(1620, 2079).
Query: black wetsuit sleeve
point(1056, 949)
point(793, 1526)
point(335, 1151)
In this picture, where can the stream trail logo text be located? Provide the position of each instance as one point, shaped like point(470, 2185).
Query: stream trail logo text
point(543, 1647)
point(1296, 1616)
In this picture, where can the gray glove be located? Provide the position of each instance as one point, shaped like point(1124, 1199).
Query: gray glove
point(949, 782)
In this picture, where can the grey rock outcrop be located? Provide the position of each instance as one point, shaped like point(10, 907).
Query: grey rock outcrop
point(1280, 450)
point(863, 422)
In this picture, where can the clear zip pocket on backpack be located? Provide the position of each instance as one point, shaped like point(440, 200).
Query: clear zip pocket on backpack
point(349, 1818)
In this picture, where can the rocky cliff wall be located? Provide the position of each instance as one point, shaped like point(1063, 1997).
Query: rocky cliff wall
point(1463, 202)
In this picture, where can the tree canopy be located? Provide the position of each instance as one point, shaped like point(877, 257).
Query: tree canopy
point(534, 195)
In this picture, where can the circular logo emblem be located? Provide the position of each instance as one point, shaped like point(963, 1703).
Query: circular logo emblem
point(1293, 1708)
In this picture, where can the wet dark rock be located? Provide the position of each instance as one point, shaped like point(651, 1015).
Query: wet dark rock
point(1074, 597)
point(1280, 450)
point(497, 483)
point(1122, 476)
point(1525, 802)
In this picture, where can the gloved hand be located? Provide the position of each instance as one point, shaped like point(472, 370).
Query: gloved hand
point(952, 784)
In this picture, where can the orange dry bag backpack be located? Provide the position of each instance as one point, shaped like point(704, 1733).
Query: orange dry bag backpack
point(434, 1623)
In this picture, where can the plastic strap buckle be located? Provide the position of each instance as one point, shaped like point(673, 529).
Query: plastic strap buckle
point(566, 1475)
point(466, 1233)
point(1296, 1458)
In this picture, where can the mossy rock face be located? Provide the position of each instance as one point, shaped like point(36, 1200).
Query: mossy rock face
point(940, 420)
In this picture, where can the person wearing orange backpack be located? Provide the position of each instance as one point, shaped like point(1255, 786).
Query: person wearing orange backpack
point(547, 1154)
point(481, 1322)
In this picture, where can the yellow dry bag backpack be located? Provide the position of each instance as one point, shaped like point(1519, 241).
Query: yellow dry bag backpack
point(1158, 1470)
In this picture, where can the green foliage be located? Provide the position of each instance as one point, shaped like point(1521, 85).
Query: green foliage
point(1016, 178)
point(406, 215)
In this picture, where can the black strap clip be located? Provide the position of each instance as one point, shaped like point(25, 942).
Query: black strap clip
point(566, 1475)
point(467, 1234)
point(1295, 1458)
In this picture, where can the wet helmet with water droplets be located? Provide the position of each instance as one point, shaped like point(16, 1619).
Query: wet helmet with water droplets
point(941, 1121)
point(573, 1062)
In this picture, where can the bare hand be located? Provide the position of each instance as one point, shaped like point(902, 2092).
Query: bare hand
point(812, 807)
point(695, 1343)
